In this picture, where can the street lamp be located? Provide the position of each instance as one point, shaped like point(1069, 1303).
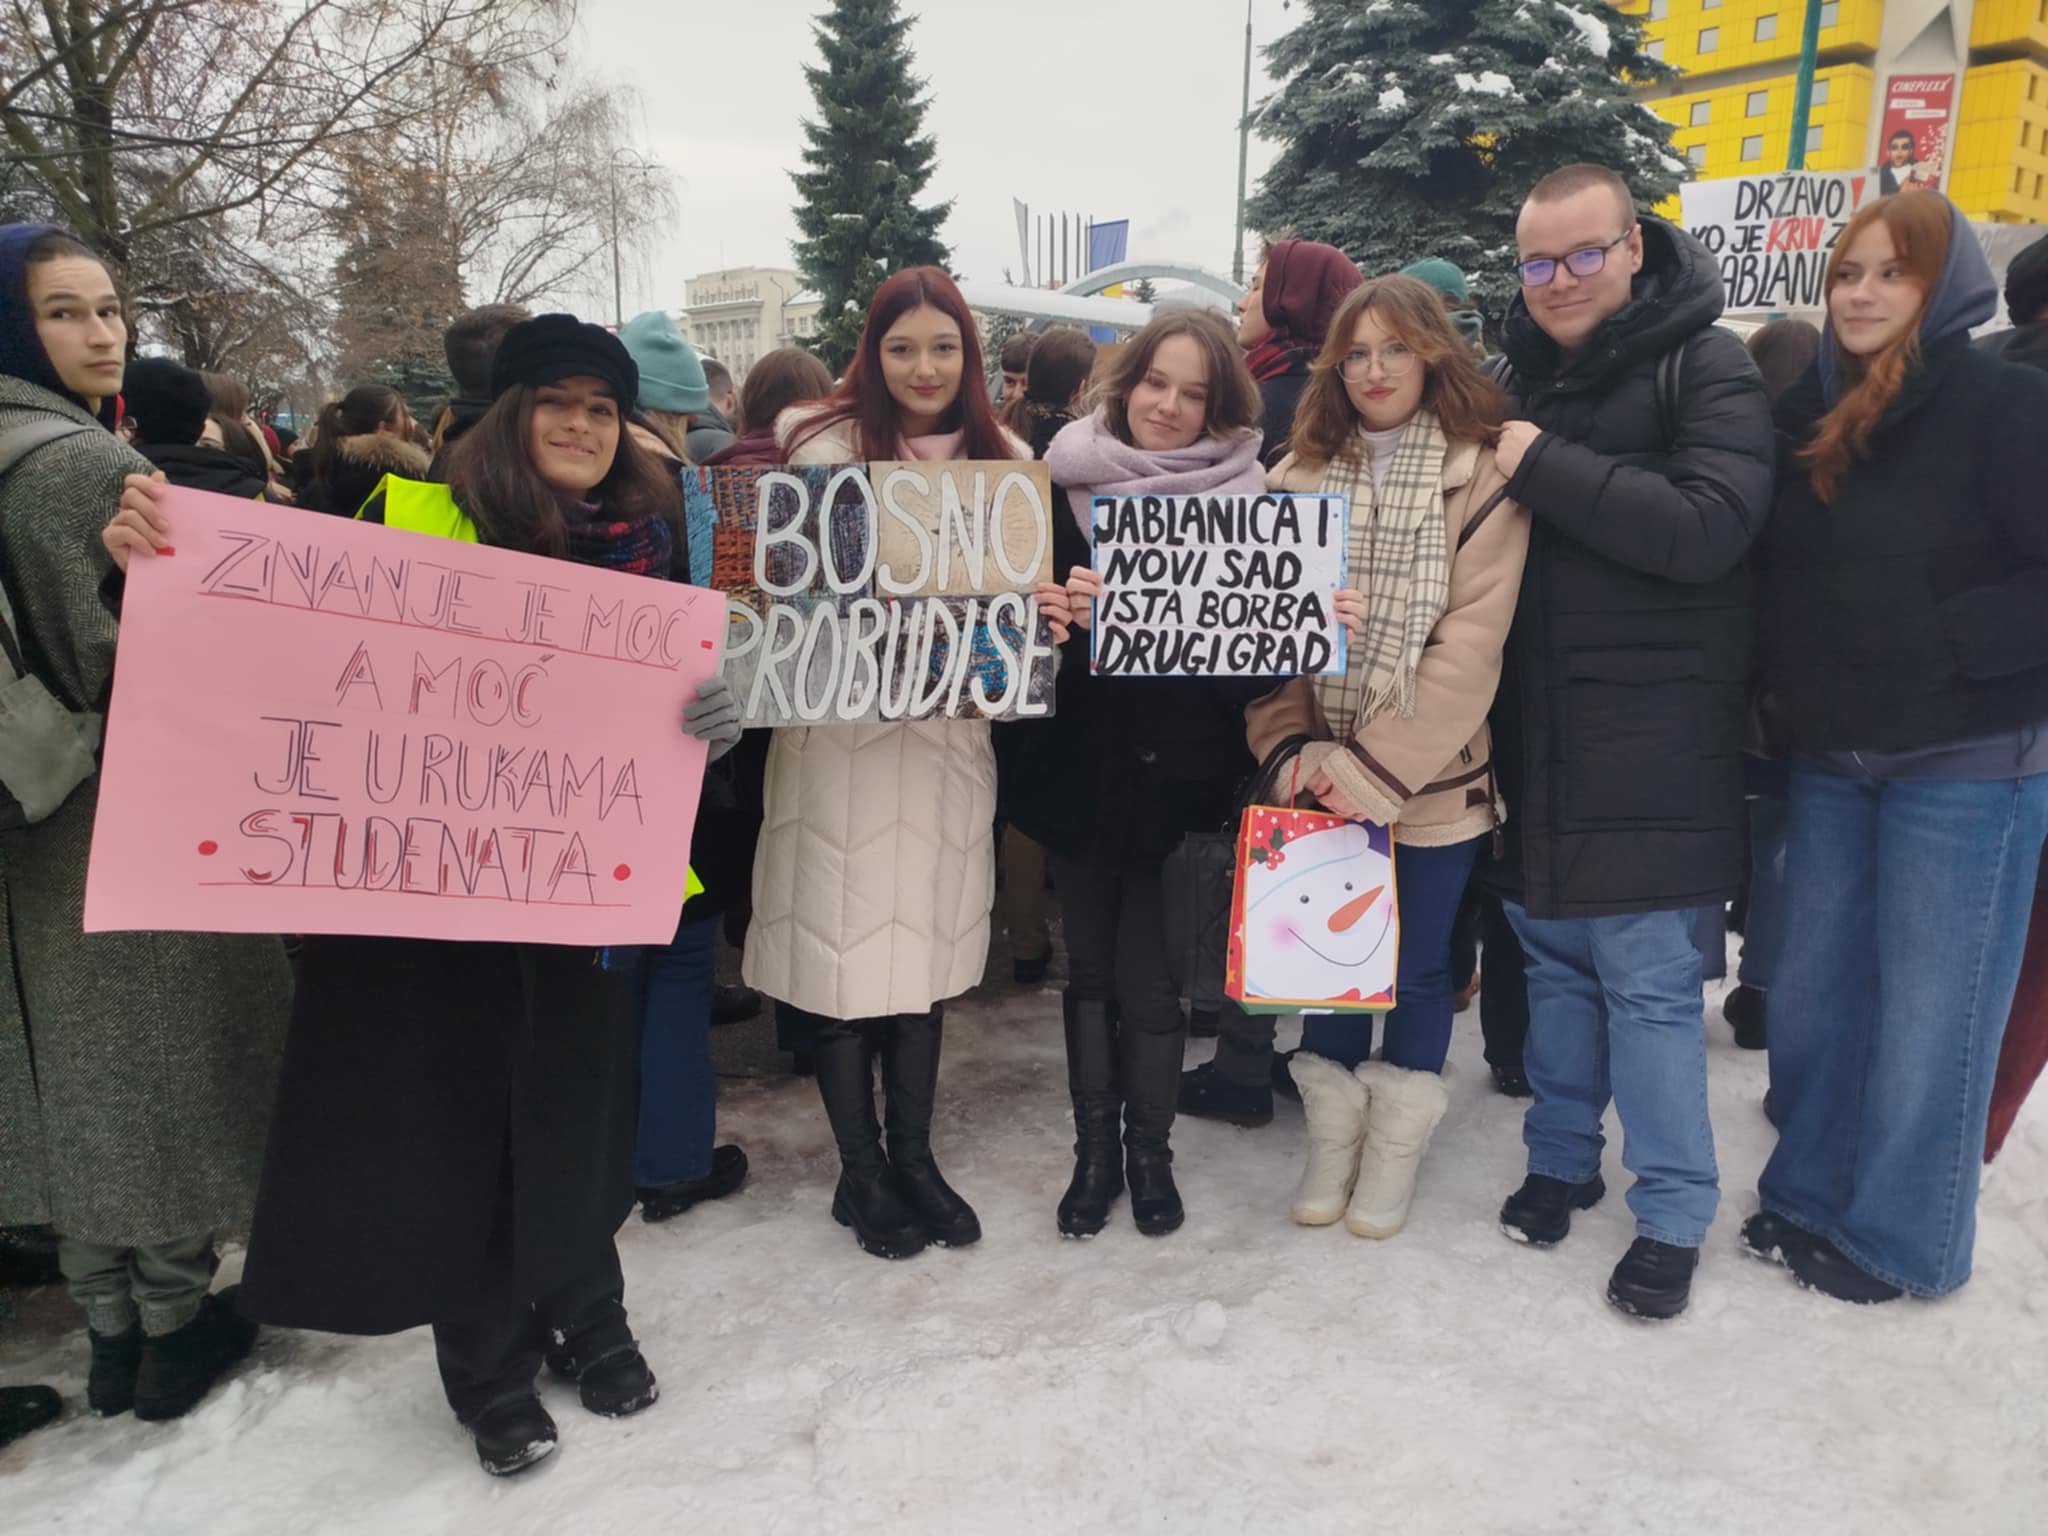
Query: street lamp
point(635, 161)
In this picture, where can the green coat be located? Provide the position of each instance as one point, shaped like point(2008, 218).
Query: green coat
point(136, 1069)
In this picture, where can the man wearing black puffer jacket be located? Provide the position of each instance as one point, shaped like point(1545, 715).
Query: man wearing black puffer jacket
point(1645, 454)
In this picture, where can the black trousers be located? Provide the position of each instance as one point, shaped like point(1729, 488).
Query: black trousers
point(1115, 923)
point(493, 1349)
point(1503, 986)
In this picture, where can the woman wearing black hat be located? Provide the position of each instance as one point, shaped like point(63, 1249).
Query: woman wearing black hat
point(454, 1127)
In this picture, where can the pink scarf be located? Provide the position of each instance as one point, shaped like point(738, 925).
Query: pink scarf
point(1089, 461)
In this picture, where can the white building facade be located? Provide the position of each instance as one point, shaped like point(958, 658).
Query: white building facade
point(741, 314)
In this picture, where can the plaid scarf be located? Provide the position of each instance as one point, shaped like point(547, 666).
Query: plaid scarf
point(1400, 558)
point(641, 548)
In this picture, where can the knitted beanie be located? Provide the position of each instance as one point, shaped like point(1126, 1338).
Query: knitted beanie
point(671, 376)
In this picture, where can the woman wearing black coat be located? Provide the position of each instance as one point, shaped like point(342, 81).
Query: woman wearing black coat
point(1905, 638)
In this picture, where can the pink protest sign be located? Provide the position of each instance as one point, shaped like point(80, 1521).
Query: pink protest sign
point(322, 726)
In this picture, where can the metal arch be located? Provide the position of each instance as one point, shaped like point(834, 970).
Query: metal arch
point(1168, 271)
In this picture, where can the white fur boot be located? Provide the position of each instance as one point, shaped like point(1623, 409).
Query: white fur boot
point(1334, 1102)
point(1406, 1107)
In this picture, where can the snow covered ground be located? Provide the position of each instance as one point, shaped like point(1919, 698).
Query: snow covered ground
point(1243, 1375)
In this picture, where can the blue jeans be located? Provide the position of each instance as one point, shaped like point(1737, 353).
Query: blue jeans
point(1906, 906)
point(1429, 883)
point(1615, 1009)
point(678, 1089)
point(1763, 928)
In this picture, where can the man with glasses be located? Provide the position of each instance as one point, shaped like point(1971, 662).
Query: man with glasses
point(1644, 451)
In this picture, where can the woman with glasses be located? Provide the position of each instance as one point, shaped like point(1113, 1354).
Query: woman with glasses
point(1399, 417)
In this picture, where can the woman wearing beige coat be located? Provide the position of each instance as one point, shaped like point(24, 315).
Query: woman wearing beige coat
point(1400, 418)
point(875, 871)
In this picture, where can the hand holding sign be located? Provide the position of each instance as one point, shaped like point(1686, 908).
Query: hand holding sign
point(140, 527)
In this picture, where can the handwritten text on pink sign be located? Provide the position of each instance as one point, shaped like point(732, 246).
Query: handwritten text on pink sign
point(322, 726)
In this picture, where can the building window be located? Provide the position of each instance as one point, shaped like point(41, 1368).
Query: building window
point(1710, 5)
point(1766, 28)
point(1710, 40)
point(1814, 136)
point(1759, 104)
point(1820, 93)
point(1697, 154)
point(1702, 114)
point(1830, 15)
point(1753, 147)
point(1654, 49)
point(1659, 9)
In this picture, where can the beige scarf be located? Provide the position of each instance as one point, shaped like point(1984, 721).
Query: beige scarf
point(1400, 558)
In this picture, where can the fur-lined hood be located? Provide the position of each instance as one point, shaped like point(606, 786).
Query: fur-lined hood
point(385, 452)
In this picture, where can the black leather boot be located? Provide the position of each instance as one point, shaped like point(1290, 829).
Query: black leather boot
point(116, 1362)
point(1151, 1082)
point(1091, 1082)
point(867, 1199)
point(910, 1084)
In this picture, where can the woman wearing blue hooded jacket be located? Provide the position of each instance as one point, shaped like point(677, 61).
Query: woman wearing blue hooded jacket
point(1905, 643)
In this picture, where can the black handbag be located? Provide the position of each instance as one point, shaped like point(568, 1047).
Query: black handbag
point(1197, 881)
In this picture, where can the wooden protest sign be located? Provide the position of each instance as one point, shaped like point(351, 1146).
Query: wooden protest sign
point(1772, 235)
point(324, 726)
point(1219, 586)
point(884, 591)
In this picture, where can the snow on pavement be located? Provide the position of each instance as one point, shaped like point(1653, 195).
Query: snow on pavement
point(1244, 1374)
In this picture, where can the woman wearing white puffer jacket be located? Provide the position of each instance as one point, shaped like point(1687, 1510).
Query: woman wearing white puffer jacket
point(876, 868)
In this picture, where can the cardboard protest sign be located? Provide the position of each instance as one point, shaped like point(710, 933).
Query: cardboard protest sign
point(1314, 921)
point(885, 591)
point(323, 726)
point(1219, 586)
point(1773, 234)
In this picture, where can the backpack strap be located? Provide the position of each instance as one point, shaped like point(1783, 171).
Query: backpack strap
point(1670, 378)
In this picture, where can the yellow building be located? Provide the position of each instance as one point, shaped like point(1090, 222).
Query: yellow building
point(1732, 110)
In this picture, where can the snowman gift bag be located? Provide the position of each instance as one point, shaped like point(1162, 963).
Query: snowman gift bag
point(1313, 922)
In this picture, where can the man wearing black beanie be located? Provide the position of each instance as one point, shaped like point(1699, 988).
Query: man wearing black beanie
point(166, 404)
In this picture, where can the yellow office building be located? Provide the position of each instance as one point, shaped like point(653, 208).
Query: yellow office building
point(1732, 109)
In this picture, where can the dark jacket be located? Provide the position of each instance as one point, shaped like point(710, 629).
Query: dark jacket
point(1619, 727)
point(203, 467)
point(1126, 767)
point(1913, 610)
point(425, 1082)
point(2027, 344)
point(755, 449)
point(1278, 397)
point(359, 465)
point(709, 432)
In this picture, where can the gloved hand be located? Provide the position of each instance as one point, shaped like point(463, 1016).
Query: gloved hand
point(713, 717)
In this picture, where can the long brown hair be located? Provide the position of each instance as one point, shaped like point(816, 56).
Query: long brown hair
point(1233, 402)
point(491, 473)
point(863, 397)
point(1060, 363)
point(359, 412)
point(1469, 405)
point(1921, 228)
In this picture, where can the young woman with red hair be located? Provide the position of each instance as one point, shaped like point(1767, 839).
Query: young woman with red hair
point(1905, 644)
point(876, 868)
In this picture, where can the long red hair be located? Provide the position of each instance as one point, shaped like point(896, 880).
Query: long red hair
point(863, 396)
point(1921, 228)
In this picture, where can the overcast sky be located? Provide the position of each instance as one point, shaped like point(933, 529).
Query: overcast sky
point(1115, 110)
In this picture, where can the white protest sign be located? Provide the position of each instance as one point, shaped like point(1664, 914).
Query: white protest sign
point(1772, 235)
point(1219, 586)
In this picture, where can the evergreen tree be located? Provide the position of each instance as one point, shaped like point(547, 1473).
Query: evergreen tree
point(1414, 128)
point(866, 162)
point(1143, 291)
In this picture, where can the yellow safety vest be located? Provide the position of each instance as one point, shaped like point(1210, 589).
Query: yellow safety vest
point(420, 507)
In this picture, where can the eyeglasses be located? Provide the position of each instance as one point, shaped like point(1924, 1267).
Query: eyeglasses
point(1394, 359)
point(1538, 272)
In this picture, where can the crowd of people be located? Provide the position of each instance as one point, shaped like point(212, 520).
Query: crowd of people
point(1644, 622)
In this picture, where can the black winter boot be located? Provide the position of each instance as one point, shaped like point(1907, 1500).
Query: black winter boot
point(867, 1199)
point(110, 1384)
point(1744, 1011)
point(178, 1369)
point(1091, 1083)
point(1540, 1212)
point(1151, 1081)
point(614, 1383)
point(1653, 1281)
point(910, 1086)
point(512, 1434)
point(25, 1408)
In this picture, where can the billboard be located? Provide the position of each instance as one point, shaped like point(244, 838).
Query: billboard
point(1913, 148)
